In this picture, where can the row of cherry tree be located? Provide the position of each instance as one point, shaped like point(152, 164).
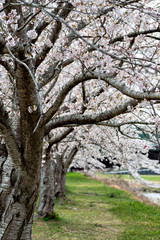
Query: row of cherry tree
point(91, 148)
point(65, 64)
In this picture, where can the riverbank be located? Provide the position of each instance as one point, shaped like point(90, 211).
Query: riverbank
point(127, 183)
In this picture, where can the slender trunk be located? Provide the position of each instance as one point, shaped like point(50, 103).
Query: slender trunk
point(46, 197)
point(47, 186)
point(59, 182)
point(61, 171)
point(60, 185)
point(63, 182)
point(58, 177)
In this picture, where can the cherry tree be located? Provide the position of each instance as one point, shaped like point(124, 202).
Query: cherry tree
point(63, 162)
point(53, 173)
point(52, 53)
point(125, 144)
point(117, 143)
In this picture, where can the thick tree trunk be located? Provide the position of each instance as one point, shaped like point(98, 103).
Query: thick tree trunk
point(46, 197)
point(16, 205)
point(19, 185)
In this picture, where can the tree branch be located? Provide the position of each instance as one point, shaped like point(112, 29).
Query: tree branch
point(134, 34)
point(43, 24)
point(108, 78)
point(80, 119)
point(60, 137)
point(53, 71)
point(54, 34)
point(119, 124)
point(9, 137)
point(7, 66)
point(70, 157)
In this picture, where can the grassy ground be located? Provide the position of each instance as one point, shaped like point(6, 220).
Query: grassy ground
point(99, 212)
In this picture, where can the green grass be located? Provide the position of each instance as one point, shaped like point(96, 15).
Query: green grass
point(99, 212)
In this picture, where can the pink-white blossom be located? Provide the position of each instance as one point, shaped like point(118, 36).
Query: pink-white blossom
point(32, 34)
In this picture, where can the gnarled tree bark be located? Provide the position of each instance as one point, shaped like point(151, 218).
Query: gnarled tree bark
point(46, 197)
point(18, 194)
